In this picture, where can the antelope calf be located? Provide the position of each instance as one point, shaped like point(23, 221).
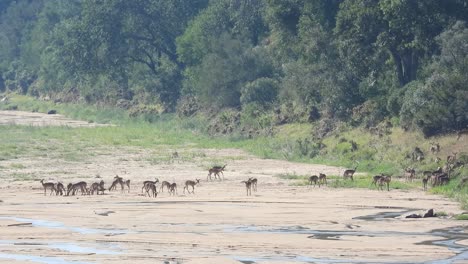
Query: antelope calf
point(48, 185)
point(191, 183)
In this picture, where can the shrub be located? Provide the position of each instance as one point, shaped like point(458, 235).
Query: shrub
point(261, 91)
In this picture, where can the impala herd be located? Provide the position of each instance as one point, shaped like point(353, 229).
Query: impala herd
point(440, 176)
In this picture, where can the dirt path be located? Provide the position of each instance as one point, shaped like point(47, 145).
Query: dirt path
point(40, 119)
point(279, 223)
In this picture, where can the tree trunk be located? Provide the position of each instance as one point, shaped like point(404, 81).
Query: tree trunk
point(406, 66)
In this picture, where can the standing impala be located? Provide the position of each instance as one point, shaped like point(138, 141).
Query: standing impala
point(191, 183)
point(48, 185)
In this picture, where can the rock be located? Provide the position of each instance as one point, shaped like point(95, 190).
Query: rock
point(413, 216)
point(103, 213)
point(429, 213)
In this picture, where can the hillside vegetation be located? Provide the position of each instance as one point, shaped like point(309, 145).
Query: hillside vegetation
point(255, 64)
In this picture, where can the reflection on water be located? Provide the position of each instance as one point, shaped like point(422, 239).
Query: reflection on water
point(39, 259)
point(59, 225)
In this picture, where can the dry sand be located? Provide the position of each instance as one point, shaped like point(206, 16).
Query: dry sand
point(279, 223)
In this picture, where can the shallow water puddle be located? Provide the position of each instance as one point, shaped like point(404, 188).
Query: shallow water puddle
point(304, 259)
point(65, 246)
point(449, 240)
point(68, 247)
point(59, 225)
point(385, 215)
point(39, 259)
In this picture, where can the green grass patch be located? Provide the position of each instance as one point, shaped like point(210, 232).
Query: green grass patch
point(441, 213)
point(461, 217)
point(17, 166)
point(22, 177)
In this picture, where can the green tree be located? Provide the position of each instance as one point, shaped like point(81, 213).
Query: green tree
point(242, 19)
point(231, 64)
point(440, 103)
point(404, 29)
point(112, 36)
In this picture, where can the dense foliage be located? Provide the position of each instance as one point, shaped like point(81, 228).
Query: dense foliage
point(274, 61)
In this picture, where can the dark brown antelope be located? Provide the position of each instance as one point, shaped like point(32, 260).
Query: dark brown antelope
point(173, 189)
point(117, 180)
point(48, 185)
point(322, 179)
point(349, 173)
point(314, 179)
point(101, 187)
point(248, 186)
point(254, 183)
point(149, 182)
point(60, 189)
point(424, 182)
point(191, 183)
point(150, 186)
point(94, 188)
point(409, 174)
point(216, 170)
point(452, 158)
point(165, 184)
point(97, 187)
point(435, 147)
point(73, 188)
point(127, 183)
point(385, 180)
point(376, 179)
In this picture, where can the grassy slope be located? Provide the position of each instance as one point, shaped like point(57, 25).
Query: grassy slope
point(373, 154)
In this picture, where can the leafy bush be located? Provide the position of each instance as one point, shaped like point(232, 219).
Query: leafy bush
point(261, 91)
point(187, 106)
